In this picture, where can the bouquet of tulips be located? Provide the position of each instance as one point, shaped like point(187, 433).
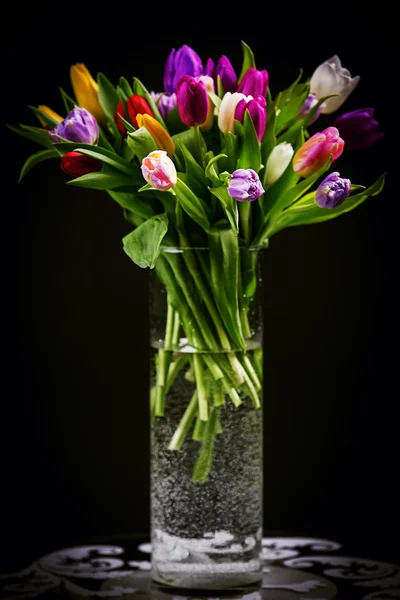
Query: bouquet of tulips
point(215, 161)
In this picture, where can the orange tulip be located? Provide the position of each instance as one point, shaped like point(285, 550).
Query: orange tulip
point(159, 134)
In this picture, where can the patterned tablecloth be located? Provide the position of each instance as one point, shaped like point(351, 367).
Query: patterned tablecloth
point(296, 568)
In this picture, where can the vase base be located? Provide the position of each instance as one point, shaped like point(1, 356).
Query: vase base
point(229, 577)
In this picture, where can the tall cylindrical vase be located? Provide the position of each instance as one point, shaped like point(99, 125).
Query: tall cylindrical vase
point(206, 419)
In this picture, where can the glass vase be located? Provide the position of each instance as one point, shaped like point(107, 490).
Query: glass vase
point(206, 419)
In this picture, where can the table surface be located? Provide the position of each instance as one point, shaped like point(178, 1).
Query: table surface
point(294, 568)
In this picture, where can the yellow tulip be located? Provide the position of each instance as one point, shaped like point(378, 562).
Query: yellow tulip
point(50, 112)
point(159, 134)
point(86, 91)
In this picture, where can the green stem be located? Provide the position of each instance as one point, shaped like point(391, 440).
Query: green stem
point(244, 212)
point(164, 359)
point(203, 463)
point(252, 373)
point(201, 388)
point(185, 423)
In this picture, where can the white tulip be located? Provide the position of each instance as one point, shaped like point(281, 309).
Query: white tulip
point(277, 162)
point(227, 110)
point(331, 78)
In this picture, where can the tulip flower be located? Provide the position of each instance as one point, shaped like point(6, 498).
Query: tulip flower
point(78, 126)
point(159, 170)
point(333, 191)
point(278, 161)
point(192, 101)
point(245, 185)
point(358, 128)
point(308, 104)
point(184, 61)
point(159, 134)
point(254, 83)
point(120, 110)
point(315, 152)
point(137, 105)
point(86, 91)
point(226, 113)
point(77, 164)
point(165, 103)
point(257, 108)
point(225, 71)
point(331, 78)
point(209, 68)
point(209, 83)
point(50, 112)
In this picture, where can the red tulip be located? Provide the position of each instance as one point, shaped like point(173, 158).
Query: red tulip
point(135, 105)
point(77, 164)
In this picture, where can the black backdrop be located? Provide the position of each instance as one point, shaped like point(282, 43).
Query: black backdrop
point(75, 452)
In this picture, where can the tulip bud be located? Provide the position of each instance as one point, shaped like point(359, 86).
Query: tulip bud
point(278, 161)
point(192, 101)
point(77, 164)
point(86, 91)
point(184, 61)
point(159, 170)
point(226, 113)
point(245, 185)
point(137, 105)
point(308, 104)
point(257, 108)
point(358, 128)
point(165, 103)
point(330, 78)
point(226, 73)
point(209, 83)
point(315, 152)
point(254, 83)
point(50, 112)
point(333, 191)
point(120, 110)
point(159, 134)
point(78, 126)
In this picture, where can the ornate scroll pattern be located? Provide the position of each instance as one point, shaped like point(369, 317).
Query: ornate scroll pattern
point(295, 568)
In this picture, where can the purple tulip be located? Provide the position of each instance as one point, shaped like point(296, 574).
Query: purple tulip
point(254, 83)
point(209, 68)
point(308, 104)
point(227, 74)
point(183, 61)
point(245, 185)
point(257, 108)
point(332, 191)
point(78, 126)
point(358, 128)
point(192, 101)
point(164, 102)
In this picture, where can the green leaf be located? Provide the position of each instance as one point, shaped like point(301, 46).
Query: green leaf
point(50, 121)
point(142, 91)
point(290, 102)
point(229, 205)
point(173, 122)
point(35, 134)
point(129, 127)
point(193, 169)
point(108, 99)
point(101, 181)
point(69, 103)
point(131, 202)
point(224, 262)
point(194, 142)
point(269, 140)
point(125, 86)
point(306, 211)
point(107, 156)
point(211, 171)
point(194, 206)
point(35, 159)
point(216, 100)
point(250, 153)
point(248, 60)
point(141, 143)
point(142, 245)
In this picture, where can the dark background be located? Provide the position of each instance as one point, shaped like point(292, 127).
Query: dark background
point(75, 439)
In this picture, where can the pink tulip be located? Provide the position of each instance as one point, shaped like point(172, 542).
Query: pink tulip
point(315, 152)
